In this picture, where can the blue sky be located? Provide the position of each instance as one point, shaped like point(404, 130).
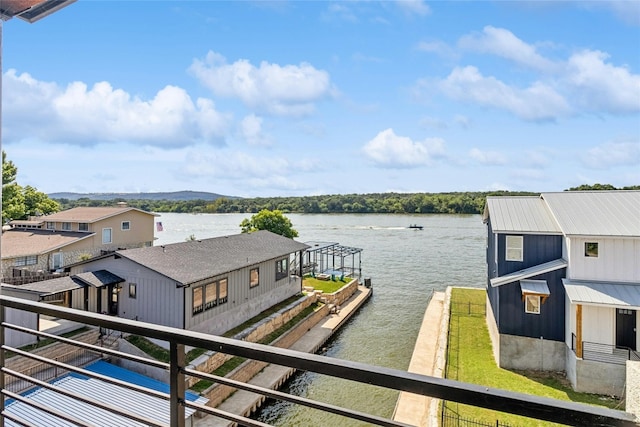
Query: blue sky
point(296, 98)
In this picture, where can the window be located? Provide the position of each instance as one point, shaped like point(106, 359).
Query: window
point(51, 225)
point(222, 290)
point(126, 225)
point(26, 260)
point(106, 236)
point(254, 277)
point(66, 226)
point(211, 295)
point(132, 290)
point(514, 248)
point(591, 249)
point(197, 300)
point(83, 226)
point(282, 268)
point(532, 304)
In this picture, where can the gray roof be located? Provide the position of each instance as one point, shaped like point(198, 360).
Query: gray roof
point(537, 287)
point(96, 279)
point(521, 214)
point(529, 272)
point(191, 261)
point(614, 294)
point(596, 213)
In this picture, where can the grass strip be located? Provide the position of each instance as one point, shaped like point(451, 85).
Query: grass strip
point(470, 359)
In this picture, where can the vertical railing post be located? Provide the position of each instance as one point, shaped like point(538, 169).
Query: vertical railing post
point(2, 319)
point(176, 382)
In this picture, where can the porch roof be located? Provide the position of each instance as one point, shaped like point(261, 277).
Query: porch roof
point(529, 272)
point(95, 279)
point(613, 294)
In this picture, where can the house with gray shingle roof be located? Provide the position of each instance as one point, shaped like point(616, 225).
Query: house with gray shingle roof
point(563, 284)
point(48, 243)
point(209, 285)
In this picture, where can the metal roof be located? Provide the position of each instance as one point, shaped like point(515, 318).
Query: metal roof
point(614, 294)
point(150, 407)
point(529, 272)
point(596, 213)
point(520, 214)
point(537, 287)
point(30, 10)
point(191, 261)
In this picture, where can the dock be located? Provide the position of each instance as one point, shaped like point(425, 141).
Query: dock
point(243, 402)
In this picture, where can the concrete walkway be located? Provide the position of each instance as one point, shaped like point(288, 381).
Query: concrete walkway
point(244, 402)
point(428, 358)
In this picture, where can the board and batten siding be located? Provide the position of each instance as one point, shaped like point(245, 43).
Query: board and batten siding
point(618, 259)
point(243, 302)
point(158, 300)
point(536, 249)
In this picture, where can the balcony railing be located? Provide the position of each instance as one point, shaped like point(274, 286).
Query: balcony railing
point(568, 413)
point(605, 353)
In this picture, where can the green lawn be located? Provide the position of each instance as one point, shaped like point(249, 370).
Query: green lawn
point(326, 286)
point(470, 359)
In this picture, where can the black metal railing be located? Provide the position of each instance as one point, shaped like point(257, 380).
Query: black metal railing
point(562, 412)
point(605, 353)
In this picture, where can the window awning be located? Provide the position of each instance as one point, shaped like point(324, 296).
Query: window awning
point(613, 294)
point(529, 272)
point(534, 287)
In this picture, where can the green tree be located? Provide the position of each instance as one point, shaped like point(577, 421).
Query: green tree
point(273, 221)
point(18, 202)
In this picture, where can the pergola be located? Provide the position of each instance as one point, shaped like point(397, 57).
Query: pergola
point(329, 258)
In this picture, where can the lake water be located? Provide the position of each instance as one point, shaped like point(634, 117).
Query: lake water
point(405, 265)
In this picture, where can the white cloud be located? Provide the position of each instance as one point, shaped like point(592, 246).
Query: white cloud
point(392, 151)
point(504, 43)
point(251, 131)
point(417, 7)
point(289, 90)
point(81, 115)
point(599, 86)
point(487, 157)
point(536, 102)
point(612, 154)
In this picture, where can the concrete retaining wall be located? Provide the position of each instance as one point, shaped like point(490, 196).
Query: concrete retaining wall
point(525, 353)
point(599, 378)
point(632, 400)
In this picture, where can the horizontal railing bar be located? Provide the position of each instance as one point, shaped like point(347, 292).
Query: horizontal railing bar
point(90, 374)
point(570, 413)
point(18, 420)
point(244, 421)
point(46, 409)
point(92, 347)
point(81, 398)
point(275, 394)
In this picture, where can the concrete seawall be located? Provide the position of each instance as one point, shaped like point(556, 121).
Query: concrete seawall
point(429, 358)
point(244, 402)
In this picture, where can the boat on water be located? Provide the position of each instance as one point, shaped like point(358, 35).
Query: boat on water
point(416, 226)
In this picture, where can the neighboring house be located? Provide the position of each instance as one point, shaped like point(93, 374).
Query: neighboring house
point(209, 285)
point(48, 243)
point(564, 284)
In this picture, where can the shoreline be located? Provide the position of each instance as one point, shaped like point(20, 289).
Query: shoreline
point(273, 376)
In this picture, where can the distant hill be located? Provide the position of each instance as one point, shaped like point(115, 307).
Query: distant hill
point(175, 195)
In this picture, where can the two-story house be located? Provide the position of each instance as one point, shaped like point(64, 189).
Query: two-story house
point(48, 243)
point(563, 284)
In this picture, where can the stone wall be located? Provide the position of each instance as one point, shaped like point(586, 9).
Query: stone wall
point(218, 393)
point(341, 295)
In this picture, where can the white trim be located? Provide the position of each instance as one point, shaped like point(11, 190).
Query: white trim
point(515, 245)
point(529, 272)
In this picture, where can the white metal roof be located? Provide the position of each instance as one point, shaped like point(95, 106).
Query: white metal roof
point(520, 214)
point(596, 213)
point(537, 287)
point(603, 293)
point(529, 272)
point(150, 407)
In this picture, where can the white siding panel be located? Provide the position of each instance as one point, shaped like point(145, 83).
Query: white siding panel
point(618, 260)
point(598, 324)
